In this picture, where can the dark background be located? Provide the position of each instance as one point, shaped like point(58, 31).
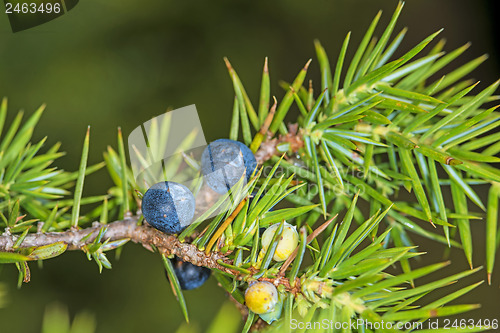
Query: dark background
point(120, 63)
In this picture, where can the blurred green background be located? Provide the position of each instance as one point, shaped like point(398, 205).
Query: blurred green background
point(119, 63)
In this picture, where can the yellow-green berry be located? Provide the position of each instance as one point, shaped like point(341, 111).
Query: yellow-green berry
point(286, 245)
point(261, 297)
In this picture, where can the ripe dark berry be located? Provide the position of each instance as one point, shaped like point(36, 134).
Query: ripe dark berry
point(224, 162)
point(190, 276)
point(261, 297)
point(168, 207)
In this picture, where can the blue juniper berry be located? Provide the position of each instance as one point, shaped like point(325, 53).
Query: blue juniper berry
point(168, 207)
point(190, 276)
point(224, 162)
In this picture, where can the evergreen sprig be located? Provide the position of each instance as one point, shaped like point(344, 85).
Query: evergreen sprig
point(399, 131)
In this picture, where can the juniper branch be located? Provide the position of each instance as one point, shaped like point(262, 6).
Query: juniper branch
point(122, 229)
point(145, 235)
point(151, 238)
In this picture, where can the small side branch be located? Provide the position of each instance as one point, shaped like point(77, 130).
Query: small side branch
point(268, 148)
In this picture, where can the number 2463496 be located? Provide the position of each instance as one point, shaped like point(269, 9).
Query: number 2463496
point(32, 8)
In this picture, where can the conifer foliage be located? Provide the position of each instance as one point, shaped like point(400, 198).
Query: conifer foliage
point(374, 127)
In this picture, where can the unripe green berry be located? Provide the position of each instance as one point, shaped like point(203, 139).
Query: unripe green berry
point(286, 245)
point(261, 297)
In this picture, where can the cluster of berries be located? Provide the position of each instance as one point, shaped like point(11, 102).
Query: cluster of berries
point(170, 206)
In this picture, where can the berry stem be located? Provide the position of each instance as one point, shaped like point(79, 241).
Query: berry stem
point(224, 225)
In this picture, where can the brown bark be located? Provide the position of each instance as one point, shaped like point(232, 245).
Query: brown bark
point(124, 229)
